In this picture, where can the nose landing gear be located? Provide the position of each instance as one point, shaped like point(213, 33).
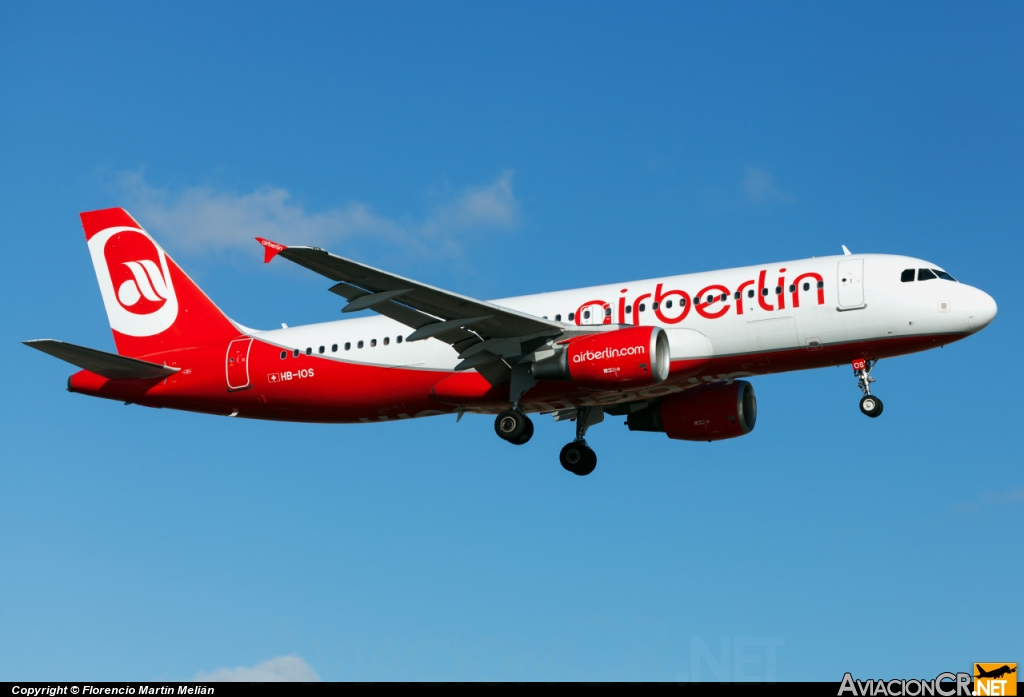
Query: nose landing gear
point(869, 404)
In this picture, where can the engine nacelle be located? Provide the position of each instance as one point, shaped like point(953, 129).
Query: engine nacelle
point(624, 358)
point(714, 412)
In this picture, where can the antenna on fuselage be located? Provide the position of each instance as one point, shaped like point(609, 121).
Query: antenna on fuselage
point(845, 250)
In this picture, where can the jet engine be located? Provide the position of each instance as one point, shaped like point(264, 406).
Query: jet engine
point(713, 412)
point(623, 358)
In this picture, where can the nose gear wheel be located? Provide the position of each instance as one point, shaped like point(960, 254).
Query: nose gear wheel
point(871, 405)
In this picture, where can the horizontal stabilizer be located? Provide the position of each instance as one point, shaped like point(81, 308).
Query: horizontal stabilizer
point(108, 365)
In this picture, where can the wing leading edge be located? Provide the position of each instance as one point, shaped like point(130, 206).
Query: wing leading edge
point(483, 333)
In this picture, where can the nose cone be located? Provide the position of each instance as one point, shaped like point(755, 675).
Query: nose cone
point(982, 310)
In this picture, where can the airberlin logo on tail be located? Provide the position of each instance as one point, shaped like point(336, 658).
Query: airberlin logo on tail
point(147, 283)
point(135, 281)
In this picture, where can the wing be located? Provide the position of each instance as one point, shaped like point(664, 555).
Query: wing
point(108, 365)
point(482, 333)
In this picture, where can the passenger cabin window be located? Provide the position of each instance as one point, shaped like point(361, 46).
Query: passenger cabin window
point(398, 339)
point(725, 296)
point(821, 284)
point(750, 293)
point(925, 275)
point(764, 291)
point(807, 286)
point(607, 312)
point(284, 354)
point(334, 348)
point(586, 314)
point(309, 350)
point(629, 311)
point(643, 307)
point(792, 288)
point(373, 343)
point(572, 316)
point(668, 304)
point(295, 353)
point(736, 295)
point(348, 345)
point(558, 318)
point(654, 306)
point(907, 276)
point(321, 349)
point(359, 344)
point(387, 340)
point(944, 276)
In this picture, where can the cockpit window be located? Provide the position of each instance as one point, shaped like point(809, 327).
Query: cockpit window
point(907, 276)
point(944, 276)
point(925, 275)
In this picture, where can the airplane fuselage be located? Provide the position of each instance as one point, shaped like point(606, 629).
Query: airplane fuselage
point(771, 318)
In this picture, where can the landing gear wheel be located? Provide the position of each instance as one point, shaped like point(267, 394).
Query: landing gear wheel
point(527, 433)
point(578, 458)
point(588, 464)
point(510, 425)
point(871, 405)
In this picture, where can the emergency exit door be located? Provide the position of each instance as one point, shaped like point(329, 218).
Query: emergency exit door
point(594, 313)
point(238, 364)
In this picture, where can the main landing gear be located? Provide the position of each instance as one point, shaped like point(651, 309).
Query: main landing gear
point(578, 457)
point(514, 426)
point(869, 404)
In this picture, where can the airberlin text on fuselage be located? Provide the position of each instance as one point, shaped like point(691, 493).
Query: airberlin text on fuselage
point(713, 301)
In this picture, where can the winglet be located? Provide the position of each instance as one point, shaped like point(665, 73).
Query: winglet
point(270, 249)
point(846, 252)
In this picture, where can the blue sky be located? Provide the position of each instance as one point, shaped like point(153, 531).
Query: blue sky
point(499, 150)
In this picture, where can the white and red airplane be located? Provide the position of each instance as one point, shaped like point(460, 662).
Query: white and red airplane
point(665, 352)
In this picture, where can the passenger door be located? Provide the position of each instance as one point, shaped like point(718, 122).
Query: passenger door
point(851, 283)
point(238, 364)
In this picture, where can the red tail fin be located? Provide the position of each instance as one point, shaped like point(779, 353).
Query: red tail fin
point(151, 304)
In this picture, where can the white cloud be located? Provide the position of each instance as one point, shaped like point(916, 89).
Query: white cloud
point(759, 187)
point(202, 218)
point(279, 669)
